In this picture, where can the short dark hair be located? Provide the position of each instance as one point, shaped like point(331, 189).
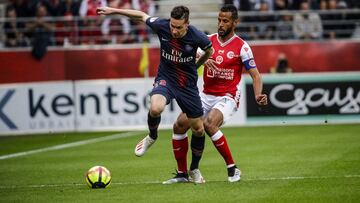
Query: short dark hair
point(230, 8)
point(180, 12)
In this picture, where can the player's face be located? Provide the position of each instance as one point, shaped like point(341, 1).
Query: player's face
point(178, 28)
point(226, 24)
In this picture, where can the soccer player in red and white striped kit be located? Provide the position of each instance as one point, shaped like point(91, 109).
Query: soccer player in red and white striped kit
point(220, 97)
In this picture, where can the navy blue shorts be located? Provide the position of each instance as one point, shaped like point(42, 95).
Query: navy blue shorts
point(187, 97)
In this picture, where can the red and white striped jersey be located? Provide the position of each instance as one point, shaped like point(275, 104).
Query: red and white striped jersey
point(231, 56)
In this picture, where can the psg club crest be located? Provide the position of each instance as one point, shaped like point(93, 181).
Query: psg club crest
point(160, 82)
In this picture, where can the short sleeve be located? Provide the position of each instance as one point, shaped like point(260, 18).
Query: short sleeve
point(154, 23)
point(204, 42)
point(247, 56)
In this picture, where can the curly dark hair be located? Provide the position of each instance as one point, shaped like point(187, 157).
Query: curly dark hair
point(230, 8)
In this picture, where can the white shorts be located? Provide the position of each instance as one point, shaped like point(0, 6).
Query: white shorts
point(225, 104)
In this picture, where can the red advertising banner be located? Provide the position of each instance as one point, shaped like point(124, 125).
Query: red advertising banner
point(310, 56)
point(110, 63)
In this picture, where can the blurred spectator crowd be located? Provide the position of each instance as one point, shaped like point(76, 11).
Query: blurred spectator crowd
point(40, 23)
point(298, 19)
point(71, 22)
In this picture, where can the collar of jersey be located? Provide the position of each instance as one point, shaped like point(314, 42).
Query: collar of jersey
point(227, 42)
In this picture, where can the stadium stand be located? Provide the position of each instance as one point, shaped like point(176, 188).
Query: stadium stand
point(260, 20)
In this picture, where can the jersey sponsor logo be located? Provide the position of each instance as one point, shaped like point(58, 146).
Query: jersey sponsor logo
point(176, 56)
point(230, 55)
point(219, 59)
point(153, 19)
point(252, 63)
point(160, 82)
point(221, 73)
point(210, 73)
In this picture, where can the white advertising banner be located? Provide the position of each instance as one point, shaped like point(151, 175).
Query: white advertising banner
point(84, 106)
point(117, 105)
point(36, 107)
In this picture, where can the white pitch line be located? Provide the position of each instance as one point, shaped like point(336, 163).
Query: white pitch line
point(69, 145)
point(160, 182)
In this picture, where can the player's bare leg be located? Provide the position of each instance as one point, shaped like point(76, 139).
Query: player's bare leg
point(157, 105)
point(212, 124)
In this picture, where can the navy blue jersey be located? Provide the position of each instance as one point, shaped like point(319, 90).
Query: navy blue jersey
point(177, 61)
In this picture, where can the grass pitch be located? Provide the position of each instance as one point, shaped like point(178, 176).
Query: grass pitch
point(319, 163)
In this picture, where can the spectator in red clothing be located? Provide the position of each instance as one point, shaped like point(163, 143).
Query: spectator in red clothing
point(90, 32)
point(147, 6)
point(66, 31)
point(67, 28)
point(88, 7)
point(117, 29)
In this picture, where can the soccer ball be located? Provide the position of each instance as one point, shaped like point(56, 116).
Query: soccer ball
point(98, 177)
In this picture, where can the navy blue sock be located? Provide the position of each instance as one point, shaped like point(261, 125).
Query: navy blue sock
point(197, 148)
point(153, 124)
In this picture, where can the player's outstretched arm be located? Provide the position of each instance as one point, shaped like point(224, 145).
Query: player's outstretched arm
point(261, 99)
point(132, 14)
point(204, 57)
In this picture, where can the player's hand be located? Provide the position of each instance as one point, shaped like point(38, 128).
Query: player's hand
point(261, 99)
point(103, 11)
point(211, 64)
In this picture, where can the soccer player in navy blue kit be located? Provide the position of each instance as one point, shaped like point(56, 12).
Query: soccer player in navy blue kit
point(176, 78)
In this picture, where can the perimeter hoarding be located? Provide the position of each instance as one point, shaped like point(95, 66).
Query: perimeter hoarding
point(86, 105)
point(307, 98)
point(122, 104)
point(37, 107)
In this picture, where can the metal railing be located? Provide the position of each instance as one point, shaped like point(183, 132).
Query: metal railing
point(63, 31)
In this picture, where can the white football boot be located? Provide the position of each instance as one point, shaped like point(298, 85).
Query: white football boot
point(236, 177)
point(196, 177)
point(143, 145)
point(179, 178)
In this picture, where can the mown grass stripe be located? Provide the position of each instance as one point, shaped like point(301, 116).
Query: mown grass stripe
point(69, 145)
point(208, 181)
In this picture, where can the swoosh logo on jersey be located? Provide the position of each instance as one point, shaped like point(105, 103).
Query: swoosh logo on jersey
point(163, 39)
point(153, 19)
point(177, 149)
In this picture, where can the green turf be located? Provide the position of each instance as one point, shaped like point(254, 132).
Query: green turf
point(279, 164)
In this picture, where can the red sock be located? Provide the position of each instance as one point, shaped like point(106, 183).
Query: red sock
point(221, 145)
point(180, 145)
